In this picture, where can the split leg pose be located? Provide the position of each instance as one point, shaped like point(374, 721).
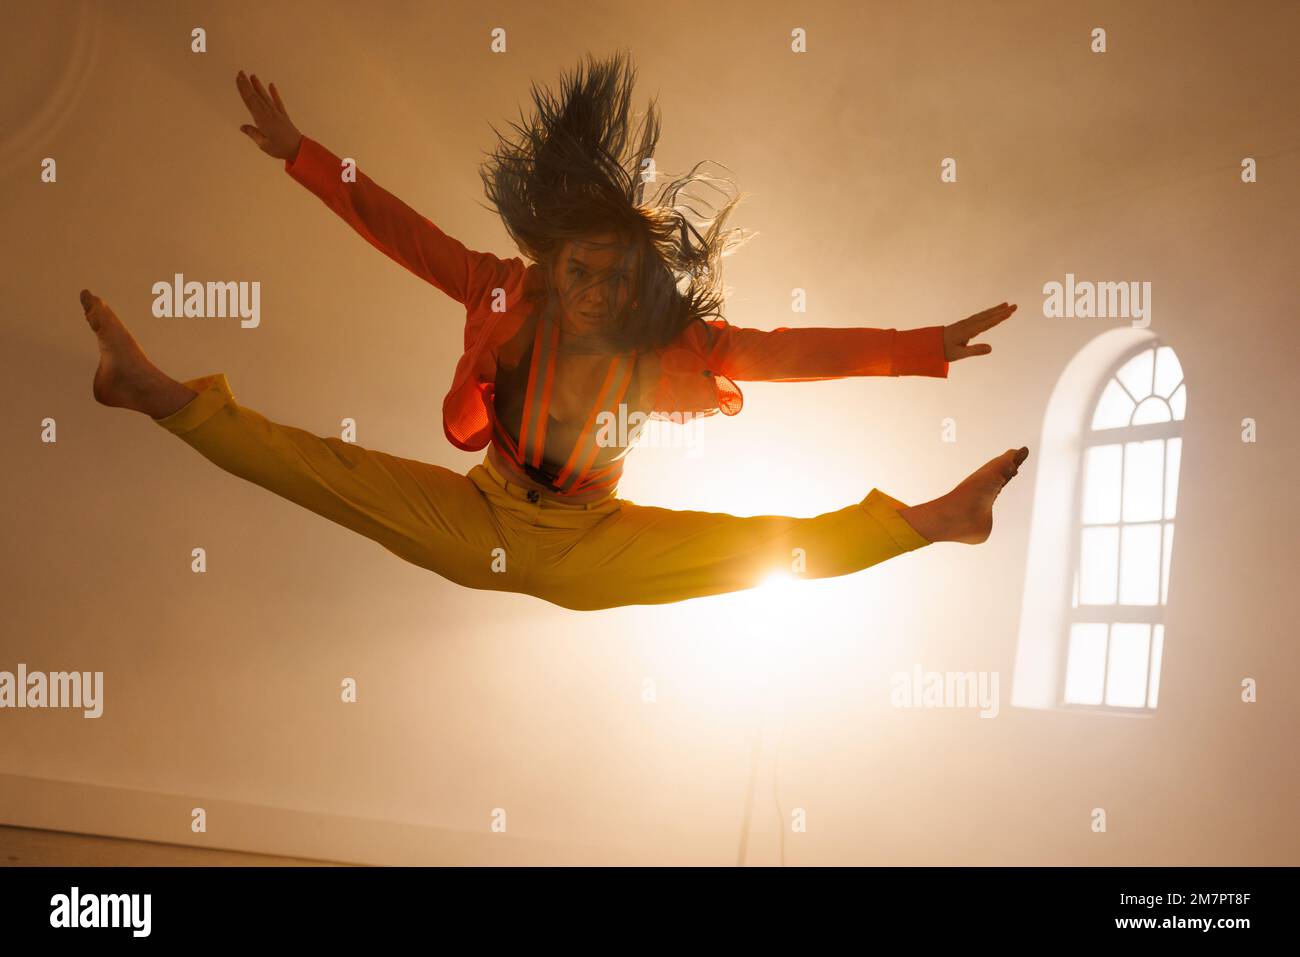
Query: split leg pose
point(582, 557)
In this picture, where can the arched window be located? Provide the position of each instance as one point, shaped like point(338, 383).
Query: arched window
point(1127, 494)
point(1092, 629)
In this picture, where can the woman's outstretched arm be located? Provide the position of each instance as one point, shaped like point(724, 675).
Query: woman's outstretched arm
point(382, 219)
point(807, 354)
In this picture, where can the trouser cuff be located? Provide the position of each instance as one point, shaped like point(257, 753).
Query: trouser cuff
point(884, 509)
point(213, 393)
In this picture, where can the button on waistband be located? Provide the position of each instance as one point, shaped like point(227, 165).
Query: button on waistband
point(533, 496)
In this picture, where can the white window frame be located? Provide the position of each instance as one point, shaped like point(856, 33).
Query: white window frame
point(1117, 613)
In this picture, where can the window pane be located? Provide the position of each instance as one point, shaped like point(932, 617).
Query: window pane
point(1178, 402)
point(1139, 564)
point(1086, 664)
point(1114, 408)
point(1169, 548)
point(1098, 562)
point(1157, 650)
point(1101, 484)
point(1168, 371)
point(1126, 670)
point(1173, 458)
point(1154, 409)
point(1136, 374)
point(1144, 480)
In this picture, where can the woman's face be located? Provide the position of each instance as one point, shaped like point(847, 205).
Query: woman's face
point(594, 277)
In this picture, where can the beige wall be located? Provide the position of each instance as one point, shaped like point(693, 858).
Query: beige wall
point(223, 686)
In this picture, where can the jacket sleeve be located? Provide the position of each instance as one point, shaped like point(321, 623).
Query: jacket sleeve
point(398, 231)
point(806, 354)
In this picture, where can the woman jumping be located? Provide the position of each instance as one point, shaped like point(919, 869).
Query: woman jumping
point(617, 313)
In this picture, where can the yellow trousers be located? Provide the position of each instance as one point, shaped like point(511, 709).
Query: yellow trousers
point(482, 531)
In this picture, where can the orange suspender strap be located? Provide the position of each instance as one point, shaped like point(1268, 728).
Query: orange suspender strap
point(612, 391)
point(537, 396)
point(602, 478)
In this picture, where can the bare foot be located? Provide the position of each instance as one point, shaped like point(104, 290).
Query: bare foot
point(966, 513)
point(126, 378)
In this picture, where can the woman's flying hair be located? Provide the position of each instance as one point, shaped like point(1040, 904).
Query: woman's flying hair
point(578, 168)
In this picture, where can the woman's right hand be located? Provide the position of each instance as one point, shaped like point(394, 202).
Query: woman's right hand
point(274, 132)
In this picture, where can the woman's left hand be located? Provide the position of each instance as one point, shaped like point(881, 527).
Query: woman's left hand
point(957, 335)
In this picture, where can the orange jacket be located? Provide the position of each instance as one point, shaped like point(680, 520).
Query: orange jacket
point(697, 372)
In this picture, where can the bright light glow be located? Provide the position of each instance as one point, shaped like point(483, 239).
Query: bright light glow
point(790, 636)
point(778, 591)
point(748, 648)
point(772, 614)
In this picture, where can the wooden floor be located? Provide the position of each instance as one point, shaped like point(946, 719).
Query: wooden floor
point(26, 847)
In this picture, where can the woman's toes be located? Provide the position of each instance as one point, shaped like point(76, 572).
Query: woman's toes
point(1007, 466)
point(97, 312)
point(1018, 457)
